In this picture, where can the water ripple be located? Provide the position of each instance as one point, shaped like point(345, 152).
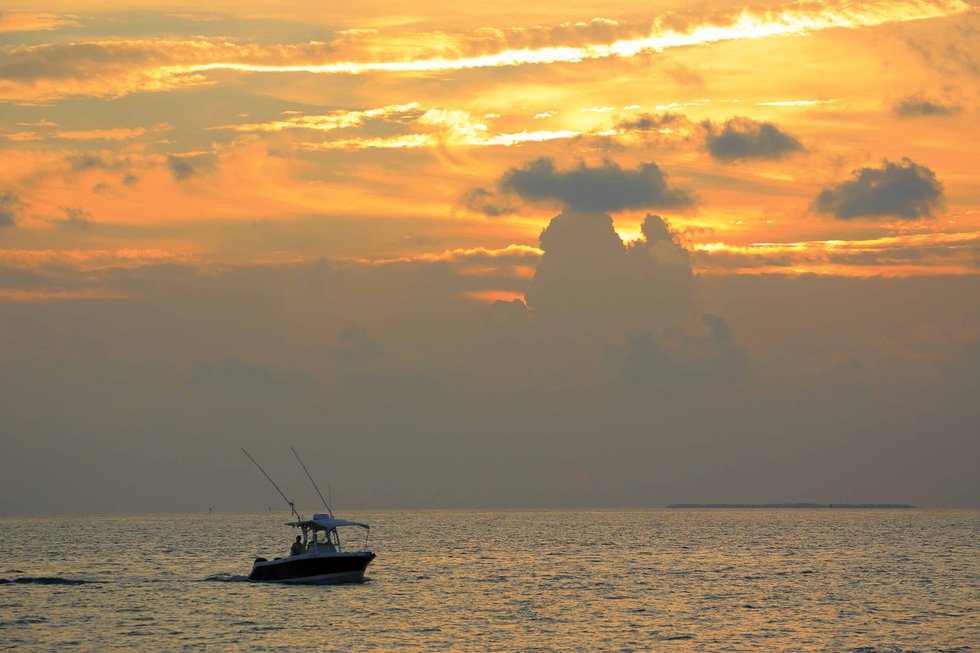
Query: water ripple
point(677, 581)
point(46, 580)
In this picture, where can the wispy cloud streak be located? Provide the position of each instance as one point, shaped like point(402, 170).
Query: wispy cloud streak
point(746, 26)
point(432, 127)
point(339, 119)
point(432, 140)
point(34, 21)
point(903, 255)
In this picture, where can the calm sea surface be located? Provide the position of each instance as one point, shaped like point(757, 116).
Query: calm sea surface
point(661, 580)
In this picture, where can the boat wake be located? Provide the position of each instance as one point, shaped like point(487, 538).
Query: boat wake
point(227, 578)
point(46, 580)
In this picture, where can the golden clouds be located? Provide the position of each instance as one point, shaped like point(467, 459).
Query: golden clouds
point(744, 26)
point(115, 134)
point(367, 193)
point(111, 68)
point(23, 21)
point(517, 252)
point(338, 119)
point(431, 127)
point(379, 120)
point(86, 259)
point(888, 256)
point(114, 68)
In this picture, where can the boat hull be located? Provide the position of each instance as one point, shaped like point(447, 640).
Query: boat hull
point(313, 569)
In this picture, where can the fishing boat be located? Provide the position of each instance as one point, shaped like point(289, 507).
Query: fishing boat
point(318, 557)
point(323, 560)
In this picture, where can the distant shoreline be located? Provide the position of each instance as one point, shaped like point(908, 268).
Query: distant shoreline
point(807, 506)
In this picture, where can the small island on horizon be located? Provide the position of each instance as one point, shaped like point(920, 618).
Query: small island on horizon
point(808, 506)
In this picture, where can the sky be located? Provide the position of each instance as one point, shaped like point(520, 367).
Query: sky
point(498, 255)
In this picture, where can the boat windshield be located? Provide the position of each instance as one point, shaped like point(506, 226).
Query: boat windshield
point(326, 539)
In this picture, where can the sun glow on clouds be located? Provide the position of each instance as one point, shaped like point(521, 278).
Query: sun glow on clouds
point(746, 26)
point(92, 259)
point(46, 295)
point(116, 134)
point(919, 254)
point(475, 139)
point(490, 296)
point(511, 251)
point(333, 120)
point(512, 209)
point(251, 161)
point(440, 126)
point(892, 256)
point(795, 103)
point(31, 21)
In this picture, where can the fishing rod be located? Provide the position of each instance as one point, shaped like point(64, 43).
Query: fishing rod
point(309, 476)
point(292, 506)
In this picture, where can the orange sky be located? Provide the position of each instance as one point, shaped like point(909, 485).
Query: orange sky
point(489, 254)
point(359, 133)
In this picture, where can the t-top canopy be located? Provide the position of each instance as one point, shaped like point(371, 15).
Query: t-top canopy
point(326, 522)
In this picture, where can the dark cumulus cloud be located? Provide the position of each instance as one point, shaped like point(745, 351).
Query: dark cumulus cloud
point(185, 167)
point(83, 162)
point(589, 276)
point(917, 106)
point(180, 168)
point(743, 138)
point(606, 187)
point(638, 299)
point(488, 202)
point(904, 190)
point(10, 206)
point(76, 218)
point(710, 353)
point(647, 121)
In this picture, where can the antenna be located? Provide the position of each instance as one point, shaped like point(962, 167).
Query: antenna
point(292, 507)
point(325, 504)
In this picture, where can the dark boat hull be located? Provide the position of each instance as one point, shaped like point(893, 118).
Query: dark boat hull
point(313, 569)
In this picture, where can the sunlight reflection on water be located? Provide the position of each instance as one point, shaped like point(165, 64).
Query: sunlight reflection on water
point(687, 580)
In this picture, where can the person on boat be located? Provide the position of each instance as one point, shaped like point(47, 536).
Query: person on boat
point(297, 547)
point(325, 543)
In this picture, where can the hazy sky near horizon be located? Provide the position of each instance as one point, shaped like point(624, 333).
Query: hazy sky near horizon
point(507, 256)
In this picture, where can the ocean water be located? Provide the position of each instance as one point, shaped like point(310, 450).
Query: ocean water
point(658, 580)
